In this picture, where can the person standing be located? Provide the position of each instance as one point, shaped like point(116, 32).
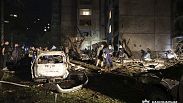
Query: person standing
point(99, 55)
point(15, 53)
point(6, 52)
point(1, 56)
point(145, 55)
point(67, 54)
point(121, 54)
point(107, 57)
point(34, 54)
point(111, 50)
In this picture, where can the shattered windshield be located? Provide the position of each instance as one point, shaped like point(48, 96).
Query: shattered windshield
point(50, 59)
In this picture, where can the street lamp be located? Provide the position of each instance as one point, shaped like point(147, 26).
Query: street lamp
point(6, 21)
point(37, 20)
point(27, 28)
point(45, 30)
point(14, 15)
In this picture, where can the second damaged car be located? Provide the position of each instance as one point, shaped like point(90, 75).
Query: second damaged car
point(52, 70)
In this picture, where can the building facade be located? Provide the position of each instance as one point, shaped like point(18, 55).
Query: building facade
point(143, 23)
point(146, 23)
point(89, 22)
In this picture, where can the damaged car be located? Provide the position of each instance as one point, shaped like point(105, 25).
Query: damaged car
point(53, 70)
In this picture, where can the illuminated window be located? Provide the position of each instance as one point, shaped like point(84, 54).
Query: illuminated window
point(110, 15)
point(85, 11)
point(110, 29)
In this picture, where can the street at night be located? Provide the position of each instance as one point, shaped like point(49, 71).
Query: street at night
point(91, 51)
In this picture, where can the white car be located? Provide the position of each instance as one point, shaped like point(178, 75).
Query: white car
point(49, 65)
point(51, 68)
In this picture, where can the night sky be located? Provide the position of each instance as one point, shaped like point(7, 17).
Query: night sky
point(38, 9)
point(29, 10)
point(32, 14)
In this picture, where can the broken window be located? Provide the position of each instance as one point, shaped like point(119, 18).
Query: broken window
point(50, 59)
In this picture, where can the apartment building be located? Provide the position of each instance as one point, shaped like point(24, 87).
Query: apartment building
point(143, 23)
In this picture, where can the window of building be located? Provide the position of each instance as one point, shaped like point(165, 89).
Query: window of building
point(85, 2)
point(110, 14)
point(85, 11)
point(85, 22)
point(110, 28)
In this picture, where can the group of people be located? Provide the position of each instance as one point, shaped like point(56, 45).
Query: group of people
point(147, 55)
point(12, 54)
point(9, 53)
point(104, 54)
point(34, 51)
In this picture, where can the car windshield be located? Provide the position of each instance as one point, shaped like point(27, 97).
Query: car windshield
point(50, 59)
